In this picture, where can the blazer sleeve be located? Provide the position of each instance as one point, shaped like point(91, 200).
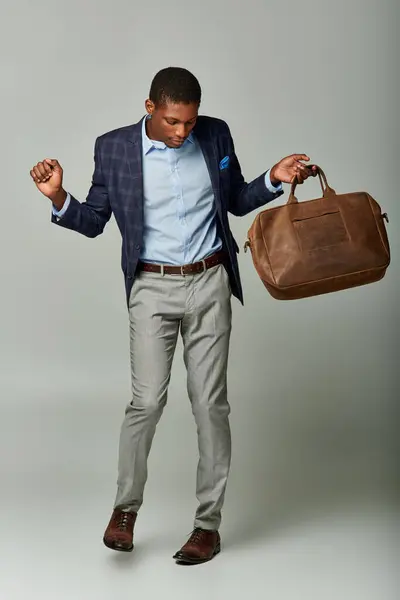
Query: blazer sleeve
point(90, 217)
point(245, 197)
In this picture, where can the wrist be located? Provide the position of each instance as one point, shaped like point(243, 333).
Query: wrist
point(274, 181)
point(58, 198)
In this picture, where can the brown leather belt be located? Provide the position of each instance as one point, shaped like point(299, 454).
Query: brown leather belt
point(191, 269)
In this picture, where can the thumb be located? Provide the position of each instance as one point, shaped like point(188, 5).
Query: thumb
point(300, 157)
point(53, 163)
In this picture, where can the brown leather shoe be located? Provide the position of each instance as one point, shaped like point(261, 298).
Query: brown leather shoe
point(201, 547)
point(119, 533)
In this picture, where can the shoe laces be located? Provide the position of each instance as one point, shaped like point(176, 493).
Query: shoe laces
point(197, 536)
point(124, 521)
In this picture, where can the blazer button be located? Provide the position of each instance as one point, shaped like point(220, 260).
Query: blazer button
point(137, 247)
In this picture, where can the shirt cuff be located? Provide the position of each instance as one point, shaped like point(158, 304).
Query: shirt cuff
point(269, 185)
point(60, 213)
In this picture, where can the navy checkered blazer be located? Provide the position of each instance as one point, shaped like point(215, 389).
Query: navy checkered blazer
point(117, 188)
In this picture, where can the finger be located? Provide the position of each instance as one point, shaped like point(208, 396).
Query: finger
point(300, 178)
point(38, 174)
point(302, 167)
point(306, 171)
point(301, 174)
point(310, 171)
point(33, 175)
point(47, 167)
point(41, 169)
point(48, 170)
point(298, 170)
point(295, 175)
point(301, 157)
point(43, 172)
point(53, 163)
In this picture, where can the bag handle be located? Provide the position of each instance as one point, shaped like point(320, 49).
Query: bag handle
point(326, 189)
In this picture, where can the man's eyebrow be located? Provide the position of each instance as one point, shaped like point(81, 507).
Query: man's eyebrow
point(175, 119)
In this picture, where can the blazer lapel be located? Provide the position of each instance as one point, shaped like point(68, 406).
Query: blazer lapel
point(209, 150)
point(134, 160)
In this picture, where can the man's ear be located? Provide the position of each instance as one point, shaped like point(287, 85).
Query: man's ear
point(150, 107)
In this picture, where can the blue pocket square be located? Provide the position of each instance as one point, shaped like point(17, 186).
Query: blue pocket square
point(224, 163)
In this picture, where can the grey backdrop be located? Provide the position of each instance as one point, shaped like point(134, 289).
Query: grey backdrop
point(313, 383)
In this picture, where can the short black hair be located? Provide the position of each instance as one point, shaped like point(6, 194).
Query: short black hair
point(175, 85)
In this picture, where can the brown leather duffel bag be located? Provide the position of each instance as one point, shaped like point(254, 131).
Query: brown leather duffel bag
point(318, 246)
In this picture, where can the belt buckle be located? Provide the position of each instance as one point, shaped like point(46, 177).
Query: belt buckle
point(203, 262)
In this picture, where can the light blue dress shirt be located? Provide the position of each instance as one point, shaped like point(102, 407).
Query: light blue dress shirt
point(180, 225)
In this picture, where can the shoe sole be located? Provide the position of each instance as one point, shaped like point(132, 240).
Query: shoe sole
point(180, 560)
point(112, 546)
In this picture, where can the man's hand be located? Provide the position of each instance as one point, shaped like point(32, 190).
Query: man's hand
point(48, 177)
point(290, 168)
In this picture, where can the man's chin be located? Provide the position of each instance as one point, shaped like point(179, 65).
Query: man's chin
point(174, 143)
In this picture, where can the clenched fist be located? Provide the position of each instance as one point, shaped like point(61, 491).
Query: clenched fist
point(48, 177)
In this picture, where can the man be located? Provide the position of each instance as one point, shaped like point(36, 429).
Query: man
point(170, 181)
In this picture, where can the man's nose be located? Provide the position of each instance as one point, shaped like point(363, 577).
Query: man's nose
point(180, 131)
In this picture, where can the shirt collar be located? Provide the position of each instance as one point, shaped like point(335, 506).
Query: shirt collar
point(149, 144)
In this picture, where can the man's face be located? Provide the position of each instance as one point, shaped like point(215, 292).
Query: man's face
point(171, 123)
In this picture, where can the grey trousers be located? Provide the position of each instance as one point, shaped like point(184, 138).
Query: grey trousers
point(199, 306)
